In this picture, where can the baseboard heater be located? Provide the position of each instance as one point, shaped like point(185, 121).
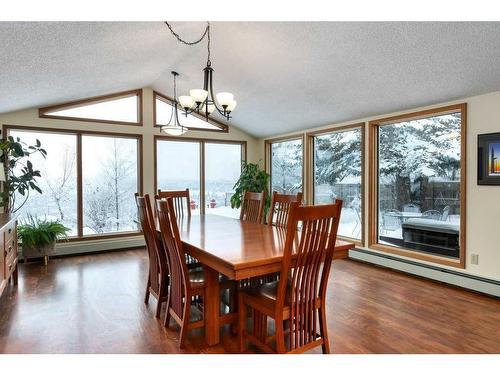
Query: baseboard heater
point(456, 278)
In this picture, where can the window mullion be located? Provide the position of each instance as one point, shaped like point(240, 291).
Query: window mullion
point(79, 178)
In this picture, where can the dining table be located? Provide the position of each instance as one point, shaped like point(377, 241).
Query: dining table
point(237, 249)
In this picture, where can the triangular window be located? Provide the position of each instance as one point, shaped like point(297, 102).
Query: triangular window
point(121, 108)
point(163, 110)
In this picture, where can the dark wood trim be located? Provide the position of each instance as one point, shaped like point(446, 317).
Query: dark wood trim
point(310, 176)
point(42, 112)
point(223, 128)
point(373, 179)
point(79, 134)
point(202, 142)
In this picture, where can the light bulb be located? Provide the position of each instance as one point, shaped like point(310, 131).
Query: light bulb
point(186, 101)
point(198, 95)
point(225, 98)
point(173, 130)
point(231, 106)
point(211, 108)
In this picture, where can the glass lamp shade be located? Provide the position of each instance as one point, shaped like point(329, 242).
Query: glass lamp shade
point(186, 101)
point(211, 108)
point(198, 95)
point(224, 98)
point(231, 106)
point(173, 130)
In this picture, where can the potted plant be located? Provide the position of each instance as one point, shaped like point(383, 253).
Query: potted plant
point(254, 179)
point(39, 236)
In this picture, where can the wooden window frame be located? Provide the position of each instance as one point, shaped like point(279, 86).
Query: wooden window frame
point(373, 179)
point(310, 170)
point(42, 112)
point(268, 159)
point(79, 172)
point(223, 128)
point(201, 142)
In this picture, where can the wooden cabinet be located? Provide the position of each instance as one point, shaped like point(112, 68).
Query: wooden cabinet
point(8, 249)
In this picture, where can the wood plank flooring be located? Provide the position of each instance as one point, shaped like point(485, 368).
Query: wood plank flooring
point(94, 304)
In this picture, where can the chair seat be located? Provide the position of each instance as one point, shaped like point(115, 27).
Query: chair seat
point(197, 278)
point(263, 298)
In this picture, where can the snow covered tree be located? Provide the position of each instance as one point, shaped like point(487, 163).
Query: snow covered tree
point(287, 166)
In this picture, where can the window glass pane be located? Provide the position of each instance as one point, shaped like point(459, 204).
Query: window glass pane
point(58, 182)
point(419, 184)
point(222, 170)
point(109, 181)
point(120, 109)
point(178, 168)
point(337, 175)
point(164, 110)
point(286, 166)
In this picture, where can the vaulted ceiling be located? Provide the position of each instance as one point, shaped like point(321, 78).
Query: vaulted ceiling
point(285, 76)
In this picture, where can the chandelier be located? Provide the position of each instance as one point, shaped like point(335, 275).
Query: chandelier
point(203, 101)
point(174, 127)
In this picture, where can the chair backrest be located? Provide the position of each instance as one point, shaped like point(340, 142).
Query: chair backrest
point(446, 213)
point(252, 207)
point(391, 220)
point(306, 280)
point(432, 214)
point(179, 276)
point(158, 263)
point(411, 207)
point(280, 207)
point(181, 200)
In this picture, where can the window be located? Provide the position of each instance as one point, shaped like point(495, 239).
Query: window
point(109, 166)
point(163, 110)
point(179, 165)
point(222, 170)
point(338, 174)
point(58, 181)
point(122, 108)
point(286, 165)
point(106, 171)
point(178, 168)
point(419, 176)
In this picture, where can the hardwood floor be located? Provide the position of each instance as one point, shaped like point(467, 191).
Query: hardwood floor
point(94, 304)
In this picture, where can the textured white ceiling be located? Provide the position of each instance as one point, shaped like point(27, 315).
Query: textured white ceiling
point(285, 76)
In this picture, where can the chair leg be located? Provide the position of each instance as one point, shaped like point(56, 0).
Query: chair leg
point(242, 322)
point(324, 331)
point(166, 321)
point(185, 321)
point(159, 302)
point(148, 285)
point(280, 336)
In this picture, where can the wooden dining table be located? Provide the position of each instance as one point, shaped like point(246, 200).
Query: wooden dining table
point(237, 249)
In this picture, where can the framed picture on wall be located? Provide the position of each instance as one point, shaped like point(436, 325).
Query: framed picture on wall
point(488, 159)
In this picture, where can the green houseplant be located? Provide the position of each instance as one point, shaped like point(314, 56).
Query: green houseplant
point(252, 178)
point(38, 236)
point(21, 177)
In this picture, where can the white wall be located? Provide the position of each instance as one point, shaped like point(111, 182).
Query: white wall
point(30, 117)
point(483, 202)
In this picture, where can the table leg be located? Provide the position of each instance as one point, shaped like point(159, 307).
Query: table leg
point(212, 306)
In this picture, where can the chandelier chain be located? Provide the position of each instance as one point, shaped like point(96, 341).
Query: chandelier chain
point(205, 33)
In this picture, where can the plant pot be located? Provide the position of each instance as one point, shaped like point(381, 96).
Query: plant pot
point(39, 251)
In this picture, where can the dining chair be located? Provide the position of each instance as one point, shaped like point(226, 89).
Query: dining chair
point(252, 207)
point(298, 298)
point(280, 204)
point(157, 283)
point(185, 284)
point(391, 220)
point(181, 198)
point(181, 208)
